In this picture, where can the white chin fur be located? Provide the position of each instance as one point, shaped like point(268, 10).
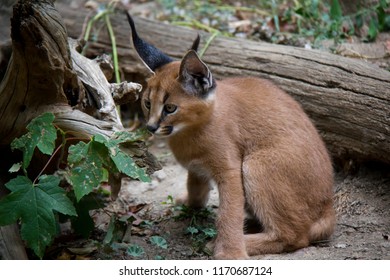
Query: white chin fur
point(177, 128)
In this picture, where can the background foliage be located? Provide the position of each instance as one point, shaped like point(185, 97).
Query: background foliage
point(282, 21)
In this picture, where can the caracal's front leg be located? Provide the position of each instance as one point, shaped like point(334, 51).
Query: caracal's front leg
point(230, 243)
point(198, 188)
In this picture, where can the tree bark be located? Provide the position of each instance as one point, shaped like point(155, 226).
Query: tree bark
point(348, 100)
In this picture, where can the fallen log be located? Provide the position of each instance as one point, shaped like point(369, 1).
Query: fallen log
point(349, 100)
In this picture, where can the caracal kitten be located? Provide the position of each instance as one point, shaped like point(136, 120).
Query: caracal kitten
point(253, 140)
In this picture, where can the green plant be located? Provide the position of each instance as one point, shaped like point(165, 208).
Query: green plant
point(323, 20)
point(103, 12)
point(378, 18)
point(313, 20)
point(201, 226)
point(89, 163)
point(159, 242)
point(135, 251)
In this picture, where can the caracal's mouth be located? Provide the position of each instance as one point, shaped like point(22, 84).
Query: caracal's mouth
point(169, 130)
point(164, 131)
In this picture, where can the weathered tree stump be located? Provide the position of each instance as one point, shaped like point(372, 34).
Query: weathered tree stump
point(47, 74)
point(349, 100)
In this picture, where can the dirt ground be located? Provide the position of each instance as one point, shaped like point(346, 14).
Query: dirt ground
point(362, 201)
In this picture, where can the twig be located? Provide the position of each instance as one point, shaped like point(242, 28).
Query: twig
point(89, 27)
point(196, 24)
point(47, 163)
point(209, 40)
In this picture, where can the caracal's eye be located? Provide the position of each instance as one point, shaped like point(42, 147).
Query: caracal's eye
point(147, 104)
point(170, 108)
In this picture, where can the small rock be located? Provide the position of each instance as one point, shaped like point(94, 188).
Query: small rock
point(160, 175)
point(341, 246)
point(385, 244)
point(152, 185)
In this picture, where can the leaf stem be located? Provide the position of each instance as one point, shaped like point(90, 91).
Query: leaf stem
point(89, 27)
point(47, 164)
point(114, 49)
point(209, 40)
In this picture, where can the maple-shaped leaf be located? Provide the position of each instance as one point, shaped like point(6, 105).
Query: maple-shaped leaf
point(90, 163)
point(87, 161)
point(33, 205)
point(123, 160)
point(41, 133)
point(159, 242)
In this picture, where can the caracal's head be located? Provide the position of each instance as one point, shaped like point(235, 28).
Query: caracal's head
point(180, 94)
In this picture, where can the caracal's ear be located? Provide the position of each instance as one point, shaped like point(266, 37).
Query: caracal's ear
point(152, 57)
point(195, 44)
point(195, 77)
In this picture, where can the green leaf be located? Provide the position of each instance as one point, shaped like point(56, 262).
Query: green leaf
point(15, 167)
point(77, 152)
point(383, 17)
point(192, 230)
point(123, 161)
point(18, 183)
point(41, 133)
point(100, 139)
point(91, 163)
point(52, 193)
point(210, 232)
point(314, 11)
point(110, 231)
point(335, 10)
point(372, 30)
point(130, 136)
point(384, 4)
point(159, 242)
point(359, 21)
point(135, 251)
point(386, 24)
point(127, 165)
point(43, 126)
point(86, 162)
point(34, 206)
point(116, 230)
point(147, 224)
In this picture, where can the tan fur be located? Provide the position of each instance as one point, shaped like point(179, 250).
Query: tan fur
point(263, 153)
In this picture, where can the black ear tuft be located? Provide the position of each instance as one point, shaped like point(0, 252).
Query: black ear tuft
point(195, 44)
point(195, 77)
point(152, 57)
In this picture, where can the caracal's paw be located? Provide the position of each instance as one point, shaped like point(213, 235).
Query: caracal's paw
point(193, 203)
point(231, 255)
point(182, 200)
point(228, 250)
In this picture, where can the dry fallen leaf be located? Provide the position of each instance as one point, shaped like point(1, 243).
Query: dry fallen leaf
point(136, 208)
point(83, 250)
